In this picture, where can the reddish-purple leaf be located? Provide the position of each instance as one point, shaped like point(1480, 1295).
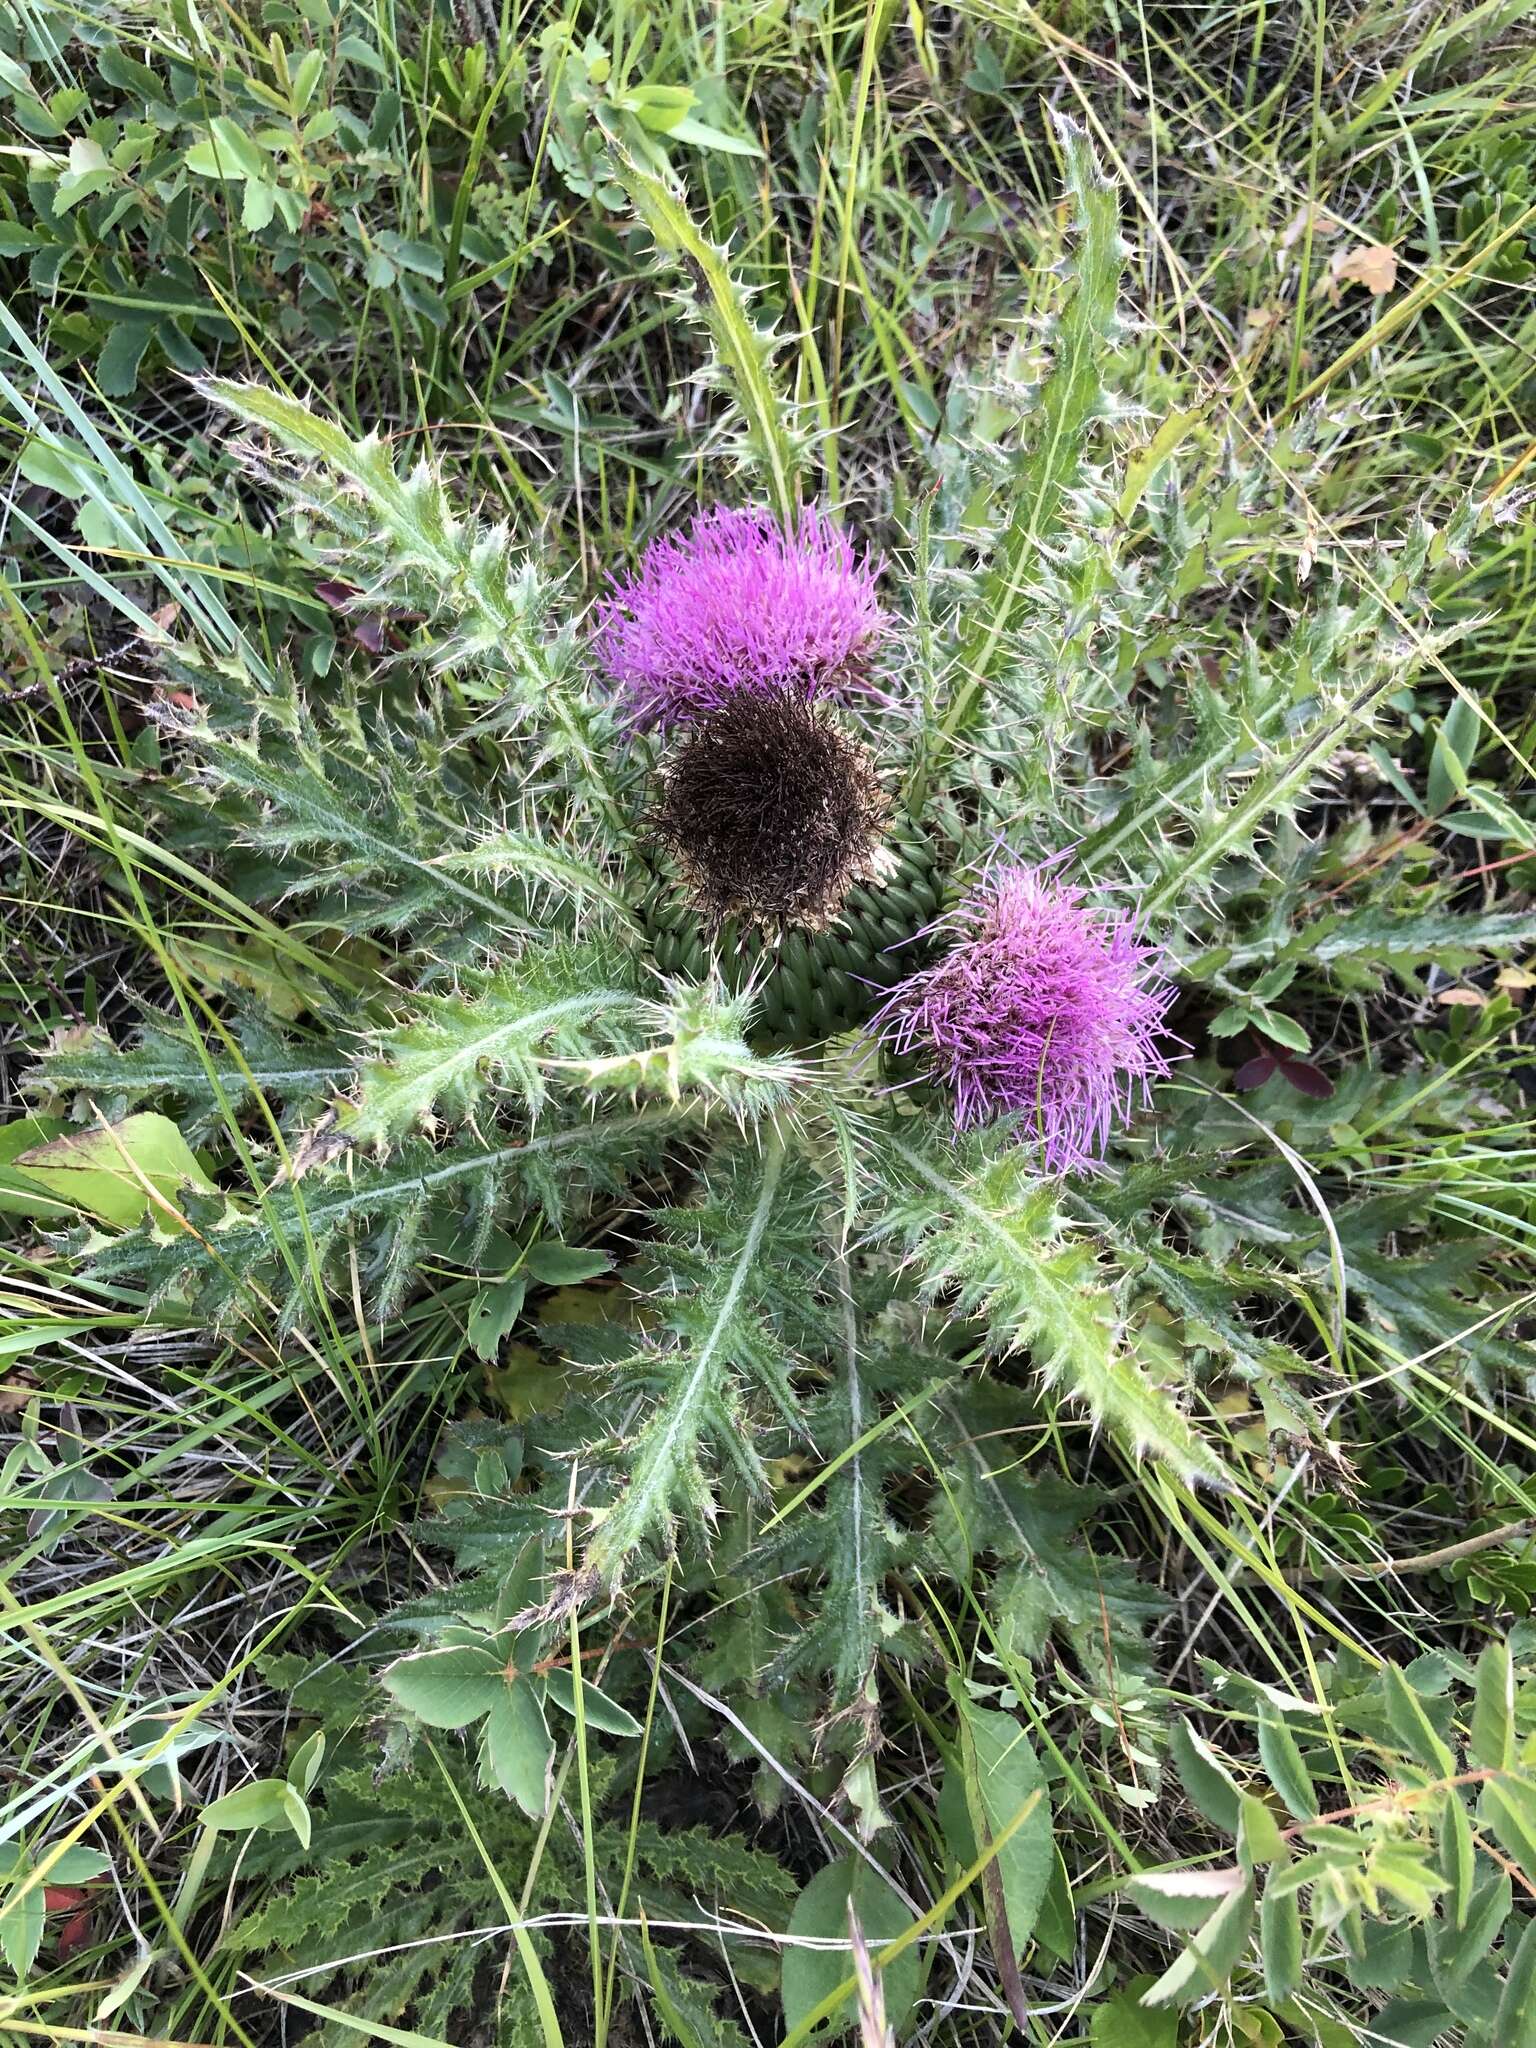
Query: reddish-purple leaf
point(1255, 1072)
point(374, 634)
point(1309, 1079)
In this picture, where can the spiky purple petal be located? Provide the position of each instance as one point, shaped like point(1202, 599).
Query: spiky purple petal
point(737, 602)
point(1045, 1009)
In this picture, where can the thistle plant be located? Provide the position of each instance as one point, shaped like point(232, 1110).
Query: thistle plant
point(772, 812)
point(803, 936)
point(740, 602)
point(1042, 1011)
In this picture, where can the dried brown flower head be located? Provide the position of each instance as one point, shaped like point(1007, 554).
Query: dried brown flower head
point(771, 811)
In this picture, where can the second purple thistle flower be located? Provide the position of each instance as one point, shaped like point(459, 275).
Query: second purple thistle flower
point(738, 602)
point(1044, 1009)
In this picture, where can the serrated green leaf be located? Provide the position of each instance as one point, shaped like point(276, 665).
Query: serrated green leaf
point(1383, 1959)
point(1183, 1900)
point(1259, 1838)
point(999, 1773)
point(1412, 1726)
point(1509, 1808)
point(1122, 2021)
point(1211, 1957)
point(21, 1922)
point(1413, 2022)
point(1515, 2026)
point(1456, 1951)
point(1283, 1761)
point(1280, 1943)
point(1491, 1736)
point(1210, 1785)
point(1458, 1857)
point(1056, 1923)
point(493, 1313)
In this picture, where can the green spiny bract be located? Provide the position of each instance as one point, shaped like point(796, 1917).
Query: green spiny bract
point(809, 985)
point(532, 1040)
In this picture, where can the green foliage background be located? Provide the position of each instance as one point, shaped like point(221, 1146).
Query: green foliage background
point(525, 1503)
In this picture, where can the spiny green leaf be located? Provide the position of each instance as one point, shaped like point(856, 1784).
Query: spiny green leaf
point(526, 854)
point(402, 535)
point(238, 1253)
point(1072, 400)
point(732, 1328)
point(204, 1080)
point(745, 352)
point(981, 1225)
point(562, 1001)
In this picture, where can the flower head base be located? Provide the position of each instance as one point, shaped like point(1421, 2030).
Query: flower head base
point(771, 812)
point(1044, 1009)
point(738, 603)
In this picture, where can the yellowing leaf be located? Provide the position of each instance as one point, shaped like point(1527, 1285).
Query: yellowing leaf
point(109, 1169)
point(250, 965)
point(1372, 264)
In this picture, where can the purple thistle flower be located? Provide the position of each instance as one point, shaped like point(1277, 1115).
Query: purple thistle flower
point(1045, 1008)
point(737, 603)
